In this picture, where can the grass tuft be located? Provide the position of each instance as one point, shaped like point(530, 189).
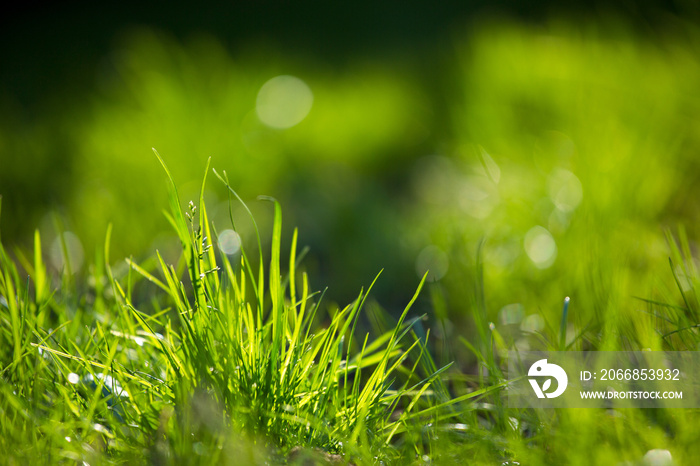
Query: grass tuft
point(214, 365)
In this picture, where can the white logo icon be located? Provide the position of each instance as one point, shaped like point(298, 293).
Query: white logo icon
point(543, 369)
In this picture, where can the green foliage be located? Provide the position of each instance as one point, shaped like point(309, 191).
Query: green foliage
point(217, 359)
point(232, 351)
point(563, 153)
point(570, 154)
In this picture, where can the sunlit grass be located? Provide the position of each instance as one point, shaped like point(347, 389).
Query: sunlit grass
point(217, 359)
point(231, 361)
point(566, 154)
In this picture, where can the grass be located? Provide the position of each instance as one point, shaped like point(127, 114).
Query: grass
point(561, 132)
point(232, 359)
point(202, 361)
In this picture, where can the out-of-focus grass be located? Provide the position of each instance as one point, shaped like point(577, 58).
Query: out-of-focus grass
point(193, 101)
point(572, 153)
point(587, 134)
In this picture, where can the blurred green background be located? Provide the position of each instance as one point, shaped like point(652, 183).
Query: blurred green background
point(563, 139)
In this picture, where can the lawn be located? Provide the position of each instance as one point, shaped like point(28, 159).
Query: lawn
point(536, 191)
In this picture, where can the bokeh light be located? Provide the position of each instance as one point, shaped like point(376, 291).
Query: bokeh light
point(229, 242)
point(283, 102)
point(433, 260)
point(565, 190)
point(540, 247)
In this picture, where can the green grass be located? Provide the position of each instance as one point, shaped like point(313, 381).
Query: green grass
point(240, 359)
point(219, 359)
point(201, 361)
